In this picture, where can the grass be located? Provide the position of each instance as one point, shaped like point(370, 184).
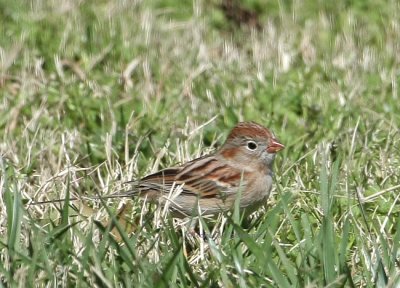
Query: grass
point(95, 93)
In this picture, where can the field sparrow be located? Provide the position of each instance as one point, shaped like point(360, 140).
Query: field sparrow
point(212, 182)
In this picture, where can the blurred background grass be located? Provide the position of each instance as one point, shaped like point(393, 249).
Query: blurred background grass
point(93, 92)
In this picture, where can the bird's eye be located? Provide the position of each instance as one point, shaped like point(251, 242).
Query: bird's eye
point(251, 145)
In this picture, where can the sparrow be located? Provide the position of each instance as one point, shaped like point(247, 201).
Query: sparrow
point(242, 168)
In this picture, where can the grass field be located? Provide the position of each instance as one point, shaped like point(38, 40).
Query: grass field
point(95, 93)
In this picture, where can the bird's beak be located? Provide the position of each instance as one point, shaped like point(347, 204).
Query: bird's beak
point(275, 146)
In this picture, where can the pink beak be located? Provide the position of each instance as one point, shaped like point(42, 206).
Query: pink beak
point(275, 146)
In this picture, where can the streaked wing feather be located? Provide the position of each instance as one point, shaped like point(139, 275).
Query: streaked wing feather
point(161, 181)
point(204, 177)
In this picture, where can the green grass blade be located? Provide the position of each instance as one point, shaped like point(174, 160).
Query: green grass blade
point(396, 247)
point(287, 264)
point(260, 256)
point(327, 229)
point(345, 239)
point(65, 208)
point(13, 205)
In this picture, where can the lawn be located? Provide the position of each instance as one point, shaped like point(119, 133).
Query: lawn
point(96, 93)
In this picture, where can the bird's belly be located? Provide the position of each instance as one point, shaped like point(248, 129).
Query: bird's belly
point(257, 193)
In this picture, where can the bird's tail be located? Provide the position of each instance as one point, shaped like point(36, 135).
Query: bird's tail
point(120, 194)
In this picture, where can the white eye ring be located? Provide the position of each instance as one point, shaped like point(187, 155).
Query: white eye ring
point(251, 145)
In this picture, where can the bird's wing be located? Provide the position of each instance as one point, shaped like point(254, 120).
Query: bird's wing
point(205, 177)
point(210, 177)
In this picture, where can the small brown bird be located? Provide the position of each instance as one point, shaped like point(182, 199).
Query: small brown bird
point(242, 167)
point(210, 184)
